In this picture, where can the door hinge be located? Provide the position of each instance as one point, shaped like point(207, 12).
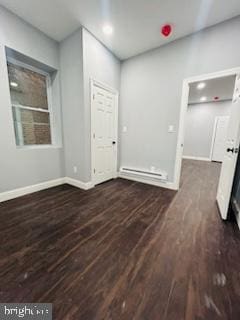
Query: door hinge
point(94, 136)
point(93, 96)
point(94, 170)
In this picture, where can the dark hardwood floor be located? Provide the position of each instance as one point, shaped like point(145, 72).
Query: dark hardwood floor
point(123, 250)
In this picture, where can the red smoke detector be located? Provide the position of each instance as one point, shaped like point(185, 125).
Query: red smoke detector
point(166, 30)
point(216, 98)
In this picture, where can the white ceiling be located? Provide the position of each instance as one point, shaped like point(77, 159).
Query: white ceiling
point(221, 87)
point(136, 22)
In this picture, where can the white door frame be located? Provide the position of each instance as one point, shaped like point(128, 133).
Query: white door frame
point(94, 82)
point(183, 111)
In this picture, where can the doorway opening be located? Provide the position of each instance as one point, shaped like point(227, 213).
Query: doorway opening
point(207, 119)
point(209, 132)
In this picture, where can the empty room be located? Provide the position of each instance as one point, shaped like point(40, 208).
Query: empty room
point(119, 162)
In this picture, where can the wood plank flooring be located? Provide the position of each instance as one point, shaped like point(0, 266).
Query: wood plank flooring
point(123, 250)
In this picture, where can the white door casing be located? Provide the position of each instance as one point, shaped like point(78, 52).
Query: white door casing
point(183, 111)
point(231, 154)
point(219, 138)
point(104, 104)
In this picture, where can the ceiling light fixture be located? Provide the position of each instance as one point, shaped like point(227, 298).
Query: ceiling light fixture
point(107, 29)
point(203, 99)
point(201, 85)
point(13, 84)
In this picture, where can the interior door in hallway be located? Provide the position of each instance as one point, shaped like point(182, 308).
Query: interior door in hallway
point(231, 154)
point(220, 136)
point(104, 134)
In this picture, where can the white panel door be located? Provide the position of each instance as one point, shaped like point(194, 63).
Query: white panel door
point(219, 144)
point(231, 153)
point(104, 134)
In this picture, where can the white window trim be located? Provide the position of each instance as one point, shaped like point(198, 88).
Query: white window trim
point(49, 110)
point(21, 106)
point(27, 66)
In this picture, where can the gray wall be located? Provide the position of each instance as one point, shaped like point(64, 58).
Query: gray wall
point(21, 167)
point(151, 88)
point(72, 105)
point(82, 58)
point(199, 126)
point(100, 64)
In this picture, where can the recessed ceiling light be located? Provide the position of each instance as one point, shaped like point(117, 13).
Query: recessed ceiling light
point(203, 99)
point(201, 85)
point(13, 84)
point(107, 29)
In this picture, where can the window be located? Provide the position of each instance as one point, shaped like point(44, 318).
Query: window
point(30, 107)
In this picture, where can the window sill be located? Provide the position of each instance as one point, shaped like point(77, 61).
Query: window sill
point(36, 147)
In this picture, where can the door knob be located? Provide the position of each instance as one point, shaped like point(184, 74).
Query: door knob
point(233, 150)
point(114, 142)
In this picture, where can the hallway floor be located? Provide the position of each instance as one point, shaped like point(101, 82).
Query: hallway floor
point(123, 250)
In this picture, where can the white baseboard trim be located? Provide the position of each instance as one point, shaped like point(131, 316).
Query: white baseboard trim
point(197, 158)
point(147, 180)
point(19, 192)
point(79, 184)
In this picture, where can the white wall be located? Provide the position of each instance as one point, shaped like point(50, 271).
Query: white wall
point(100, 64)
point(151, 88)
point(199, 127)
point(82, 58)
point(73, 104)
point(21, 167)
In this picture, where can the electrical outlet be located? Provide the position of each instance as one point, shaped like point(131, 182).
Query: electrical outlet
point(75, 169)
point(124, 129)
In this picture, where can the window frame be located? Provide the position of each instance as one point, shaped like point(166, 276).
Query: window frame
point(49, 110)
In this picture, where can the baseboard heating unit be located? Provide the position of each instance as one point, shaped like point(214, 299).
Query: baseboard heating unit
point(144, 173)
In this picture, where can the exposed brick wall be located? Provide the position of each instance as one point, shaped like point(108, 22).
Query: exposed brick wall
point(30, 92)
point(34, 116)
point(36, 134)
point(35, 127)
